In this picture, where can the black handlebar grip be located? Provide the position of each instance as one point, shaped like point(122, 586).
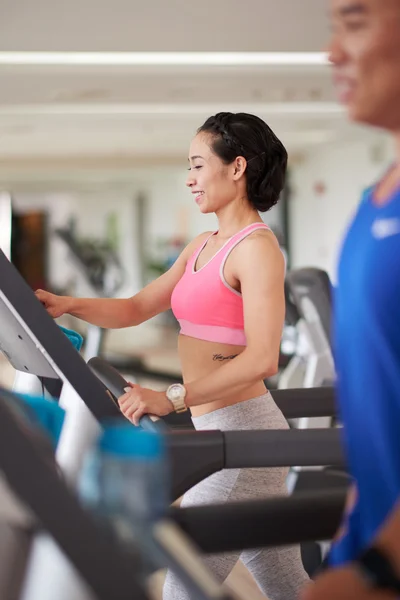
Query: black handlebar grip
point(116, 384)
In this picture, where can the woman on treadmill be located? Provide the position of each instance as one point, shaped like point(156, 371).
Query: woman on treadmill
point(226, 290)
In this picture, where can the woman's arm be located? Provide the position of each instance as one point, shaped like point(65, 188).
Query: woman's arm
point(260, 268)
point(111, 313)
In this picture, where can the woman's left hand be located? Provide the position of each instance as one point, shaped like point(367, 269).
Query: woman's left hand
point(138, 401)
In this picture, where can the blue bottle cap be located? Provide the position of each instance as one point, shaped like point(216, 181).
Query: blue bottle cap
point(130, 442)
point(46, 413)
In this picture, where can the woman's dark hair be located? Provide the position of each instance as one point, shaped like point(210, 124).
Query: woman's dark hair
point(241, 134)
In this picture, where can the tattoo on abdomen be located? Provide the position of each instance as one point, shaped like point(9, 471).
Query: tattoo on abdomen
point(221, 358)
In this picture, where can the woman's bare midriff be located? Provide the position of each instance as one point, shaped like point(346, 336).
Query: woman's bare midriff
point(199, 358)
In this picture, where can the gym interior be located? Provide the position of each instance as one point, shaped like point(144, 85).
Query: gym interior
point(98, 105)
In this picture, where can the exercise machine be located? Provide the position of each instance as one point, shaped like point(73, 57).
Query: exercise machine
point(309, 310)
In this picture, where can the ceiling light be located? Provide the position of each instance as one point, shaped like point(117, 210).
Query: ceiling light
point(188, 109)
point(163, 58)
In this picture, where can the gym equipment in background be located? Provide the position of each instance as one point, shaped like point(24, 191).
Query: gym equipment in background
point(309, 310)
point(100, 271)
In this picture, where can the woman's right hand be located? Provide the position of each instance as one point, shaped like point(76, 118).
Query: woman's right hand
point(56, 306)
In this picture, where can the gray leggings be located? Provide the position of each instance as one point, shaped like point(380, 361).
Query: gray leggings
point(278, 572)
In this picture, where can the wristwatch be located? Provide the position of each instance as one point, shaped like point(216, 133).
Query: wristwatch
point(377, 570)
point(176, 394)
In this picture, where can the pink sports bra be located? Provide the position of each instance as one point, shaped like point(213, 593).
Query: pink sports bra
point(205, 305)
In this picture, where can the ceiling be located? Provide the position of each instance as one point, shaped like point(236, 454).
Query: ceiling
point(160, 25)
point(83, 116)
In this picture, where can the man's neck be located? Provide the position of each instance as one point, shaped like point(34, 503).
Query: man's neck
point(387, 186)
point(391, 181)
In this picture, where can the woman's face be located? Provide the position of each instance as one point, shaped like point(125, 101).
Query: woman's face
point(365, 53)
point(213, 183)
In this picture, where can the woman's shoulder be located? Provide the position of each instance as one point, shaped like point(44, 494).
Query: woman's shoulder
point(261, 240)
point(261, 247)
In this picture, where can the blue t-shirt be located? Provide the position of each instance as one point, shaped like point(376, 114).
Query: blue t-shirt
point(367, 348)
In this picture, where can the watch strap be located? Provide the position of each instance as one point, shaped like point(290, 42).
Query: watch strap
point(378, 570)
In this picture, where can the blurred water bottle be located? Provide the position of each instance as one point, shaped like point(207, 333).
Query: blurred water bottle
point(125, 481)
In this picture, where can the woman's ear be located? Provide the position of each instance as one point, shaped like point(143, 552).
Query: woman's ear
point(240, 164)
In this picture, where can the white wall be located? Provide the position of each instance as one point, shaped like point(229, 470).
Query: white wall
point(319, 220)
point(172, 210)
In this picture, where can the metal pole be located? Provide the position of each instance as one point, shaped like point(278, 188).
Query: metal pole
point(5, 223)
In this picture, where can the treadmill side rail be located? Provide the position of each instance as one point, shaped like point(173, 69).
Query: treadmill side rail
point(262, 523)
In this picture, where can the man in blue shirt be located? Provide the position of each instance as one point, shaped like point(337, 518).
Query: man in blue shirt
point(365, 558)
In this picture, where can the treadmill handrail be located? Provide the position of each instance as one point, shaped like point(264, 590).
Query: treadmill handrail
point(296, 403)
point(115, 384)
point(195, 455)
point(281, 521)
point(283, 448)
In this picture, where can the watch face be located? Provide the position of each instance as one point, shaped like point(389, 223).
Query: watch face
point(175, 391)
